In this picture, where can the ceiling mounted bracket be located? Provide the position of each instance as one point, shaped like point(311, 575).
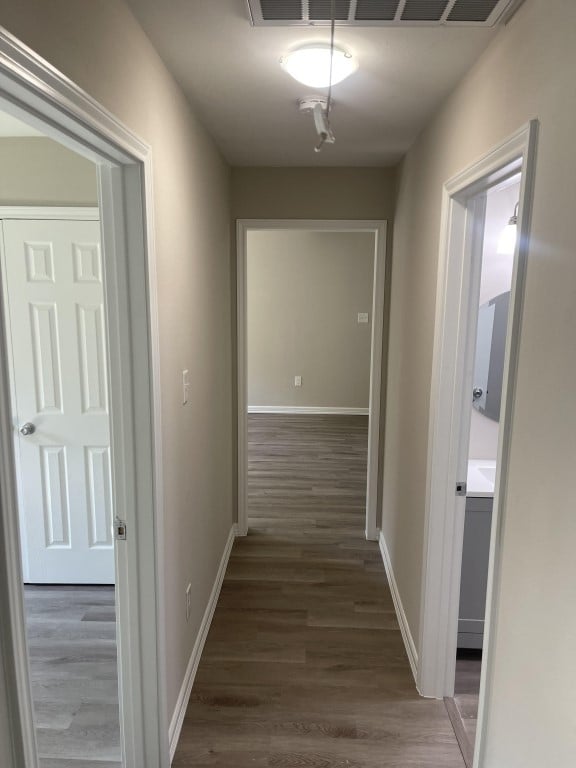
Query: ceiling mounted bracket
point(309, 103)
point(318, 107)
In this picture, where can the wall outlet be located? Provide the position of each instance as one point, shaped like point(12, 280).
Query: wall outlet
point(185, 386)
point(363, 317)
point(297, 381)
point(188, 601)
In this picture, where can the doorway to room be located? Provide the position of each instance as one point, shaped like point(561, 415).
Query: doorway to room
point(310, 324)
point(83, 676)
point(483, 256)
point(497, 261)
point(309, 313)
point(54, 316)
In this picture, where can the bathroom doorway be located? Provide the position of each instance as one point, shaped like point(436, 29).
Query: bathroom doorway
point(456, 536)
point(498, 246)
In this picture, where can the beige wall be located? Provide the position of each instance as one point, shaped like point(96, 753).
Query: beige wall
point(101, 47)
point(312, 193)
point(39, 171)
point(304, 291)
point(528, 72)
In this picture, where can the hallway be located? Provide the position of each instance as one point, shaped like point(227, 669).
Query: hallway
point(304, 664)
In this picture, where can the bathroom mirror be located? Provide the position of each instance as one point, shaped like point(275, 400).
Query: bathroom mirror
point(489, 361)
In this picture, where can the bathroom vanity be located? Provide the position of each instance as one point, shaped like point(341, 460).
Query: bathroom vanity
point(476, 553)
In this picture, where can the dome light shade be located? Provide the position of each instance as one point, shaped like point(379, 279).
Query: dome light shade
point(310, 65)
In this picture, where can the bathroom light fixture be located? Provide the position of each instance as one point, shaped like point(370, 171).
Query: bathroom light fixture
point(310, 65)
point(507, 239)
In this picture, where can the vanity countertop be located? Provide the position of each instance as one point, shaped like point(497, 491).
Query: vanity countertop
point(481, 477)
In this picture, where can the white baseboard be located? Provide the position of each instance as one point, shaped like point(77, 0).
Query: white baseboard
point(312, 409)
point(186, 689)
point(409, 643)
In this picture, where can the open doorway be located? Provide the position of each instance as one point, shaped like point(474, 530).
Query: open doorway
point(83, 679)
point(55, 331)
point(309, 313)
point(310, 324)
point(483, 256)
point(499, 241)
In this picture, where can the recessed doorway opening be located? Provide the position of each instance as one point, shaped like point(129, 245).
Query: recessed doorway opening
point(498, 246)
point(311, 305)
point(79, 422)
point(56, 337)
point(483, 256)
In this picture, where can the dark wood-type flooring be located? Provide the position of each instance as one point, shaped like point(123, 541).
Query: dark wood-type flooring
point(74, 676)
point(304, 665)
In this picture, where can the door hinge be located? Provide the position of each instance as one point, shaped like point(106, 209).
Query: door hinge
point(461, 488)
point(119, 529)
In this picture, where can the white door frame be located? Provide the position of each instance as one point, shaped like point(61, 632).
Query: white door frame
point(458, 289)
point(32, 212)
point(378, 228)
point(33, 91)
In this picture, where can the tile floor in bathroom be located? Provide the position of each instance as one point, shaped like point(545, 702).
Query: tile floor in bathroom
point(463, 708)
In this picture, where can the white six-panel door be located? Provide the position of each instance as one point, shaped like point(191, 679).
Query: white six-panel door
point(55, 313)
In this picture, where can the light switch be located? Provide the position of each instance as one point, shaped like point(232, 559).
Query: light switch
point(185, 386)
point(297, 381)
point(363, 317)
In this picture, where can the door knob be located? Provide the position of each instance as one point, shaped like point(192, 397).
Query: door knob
point(477, 393)
point(27, 429)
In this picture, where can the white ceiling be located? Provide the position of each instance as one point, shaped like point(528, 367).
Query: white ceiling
point(10, 126)
point(231, 73)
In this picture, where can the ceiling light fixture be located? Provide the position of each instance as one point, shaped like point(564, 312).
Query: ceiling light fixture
point(310, 65)
point(507, 239)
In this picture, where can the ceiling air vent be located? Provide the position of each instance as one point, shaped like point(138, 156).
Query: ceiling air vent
point(424, 10)
point(319, 10)
point(472, 10)
point(374, 13)
point(376, 10)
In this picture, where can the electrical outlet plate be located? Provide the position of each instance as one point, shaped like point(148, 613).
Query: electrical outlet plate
point(297, 381)
point(363, 317)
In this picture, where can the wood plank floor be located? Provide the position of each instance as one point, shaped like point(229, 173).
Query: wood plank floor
point(74, 677)
point(304, 665)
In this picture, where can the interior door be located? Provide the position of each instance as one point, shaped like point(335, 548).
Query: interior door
point(56, 334)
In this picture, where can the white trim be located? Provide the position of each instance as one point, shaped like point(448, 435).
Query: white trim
point(456, 310)
point(379, 229)
point(177, 720)
point(35, 92)
point(40, 95)
point(374, 424)
point(310, 409)
point(409, 643)
point(242, 378)
point(36, 212)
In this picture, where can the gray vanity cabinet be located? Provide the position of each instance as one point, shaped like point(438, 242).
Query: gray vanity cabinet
point(474, 577)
